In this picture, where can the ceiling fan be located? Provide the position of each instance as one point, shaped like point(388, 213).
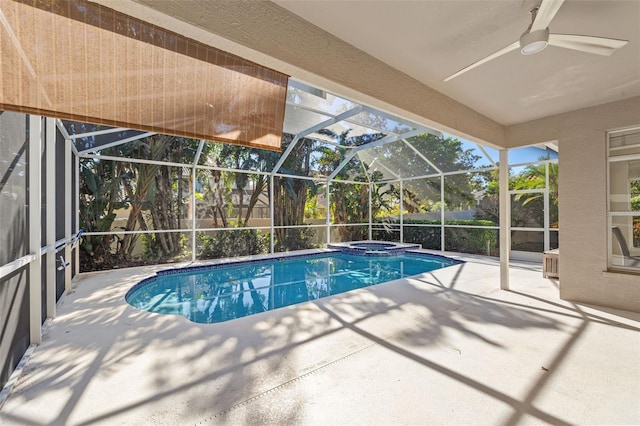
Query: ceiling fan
point(537, 37)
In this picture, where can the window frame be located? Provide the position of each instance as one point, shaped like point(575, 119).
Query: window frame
point(628, 212)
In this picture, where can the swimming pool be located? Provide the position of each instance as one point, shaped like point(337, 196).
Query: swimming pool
point(220, 293)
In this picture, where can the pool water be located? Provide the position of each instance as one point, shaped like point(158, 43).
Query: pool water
point(224, 293)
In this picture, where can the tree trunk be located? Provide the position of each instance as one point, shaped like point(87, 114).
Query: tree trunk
point(240, 202)
point(259, 185)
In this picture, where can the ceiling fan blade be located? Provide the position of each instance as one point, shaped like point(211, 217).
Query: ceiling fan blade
point(546, 12)
point(500, 52)
point(598, 45)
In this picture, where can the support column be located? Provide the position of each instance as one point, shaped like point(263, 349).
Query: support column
point(272, 214)
point(193, 214)
point(67, 213)
point(50, 194)
point(370, 213)
point(328, 207)
point(35, 281)
point(194, 211)
point(401, 213)
point(505, 219)
point(76, 173)
point(547, 234)
point(442, 207)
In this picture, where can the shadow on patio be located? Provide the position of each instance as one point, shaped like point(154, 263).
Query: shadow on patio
point(448, 335)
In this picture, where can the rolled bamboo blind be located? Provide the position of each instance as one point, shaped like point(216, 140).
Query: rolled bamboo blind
point(82, 61)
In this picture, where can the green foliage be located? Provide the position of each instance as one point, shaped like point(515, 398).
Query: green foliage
point(526, 209)
point(233, 242)
point(534, 177)
point(471, 240)
point(488, 207)
point(153, 250)
point(464, 240)
point(291, 195)
point(311, 208)
point(152, 196)
point(635, 195)
point(350, 201)
point(447, 154)
point(294, 239)
point(99, 199)
point(218, 187)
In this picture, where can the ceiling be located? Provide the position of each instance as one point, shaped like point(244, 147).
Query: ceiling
point(430, 40)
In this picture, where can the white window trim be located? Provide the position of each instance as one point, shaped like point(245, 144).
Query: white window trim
point(610, 214)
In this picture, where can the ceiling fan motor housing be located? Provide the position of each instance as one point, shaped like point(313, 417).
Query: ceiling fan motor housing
point(534, 41)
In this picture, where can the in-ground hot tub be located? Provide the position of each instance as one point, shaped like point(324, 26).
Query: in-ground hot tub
point(373, 248)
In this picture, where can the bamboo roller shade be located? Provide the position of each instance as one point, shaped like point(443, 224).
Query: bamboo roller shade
point(78, 60)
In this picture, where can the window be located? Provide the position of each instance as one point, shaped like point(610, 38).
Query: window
point(624, 199)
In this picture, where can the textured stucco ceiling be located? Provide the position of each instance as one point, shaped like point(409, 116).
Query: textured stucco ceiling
point(429, 40)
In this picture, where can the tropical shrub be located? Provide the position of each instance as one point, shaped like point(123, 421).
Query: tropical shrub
point(289, 239)
point(233, 242)
point(464, 240)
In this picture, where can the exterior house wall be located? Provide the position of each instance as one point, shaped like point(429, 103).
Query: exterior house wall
point(581, 136)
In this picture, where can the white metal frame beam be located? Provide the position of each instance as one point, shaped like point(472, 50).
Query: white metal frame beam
point(116, 143)
point(312, 129)
point(75, 247)
point(50, 194)
point(379, 164)
point(401, 211)
point(271, 214)
point(486, 154)
point(68, 232)
point(97, 132)
point(418, 127)
point(328, 207)
point(422, 156)
point(380, 142)
point(505, 219)
point(196, 159)
point(34, 242)
point(283, 158)
point(442, 207)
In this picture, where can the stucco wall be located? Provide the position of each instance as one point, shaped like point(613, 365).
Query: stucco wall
point(583, 196)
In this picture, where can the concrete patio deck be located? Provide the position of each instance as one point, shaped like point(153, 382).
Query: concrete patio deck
point(447, 347)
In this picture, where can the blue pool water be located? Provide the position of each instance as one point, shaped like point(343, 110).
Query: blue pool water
point(223, 293)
